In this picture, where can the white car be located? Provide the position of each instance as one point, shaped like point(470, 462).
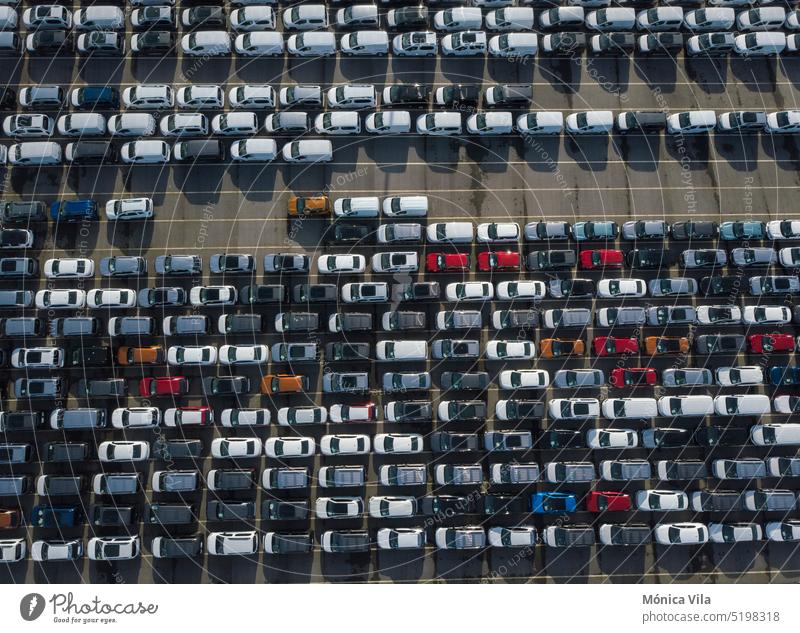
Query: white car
point(235, 447)
point(305, 17)
point(103, 298)
point(680, 533)
point(458, 19)
point(452, 232)
point(37, 358)
point(232, 543)
point(470, 291)
point(388, 122)
point(692, 122)
point(397, 443)
point(766, 315)
point(341, 264)
point(783, 230)
point(524, 379)
point(392, 506)
point(785, 121)
point(212, 295)
point(612, 438)
point(255, 150)
point(136, 418)
point(370, 292)
point(710, 19)
point(490, 123)
point(243, 354)
point(784, 531)
point(28, 125)
point(401, 350)
point(60, 299)
point(245, 417)
point(502, 232)
point(464, 43)
point(206, 43)
point(734, 532)
point(439, 124)
point(573, 408)
point(661, 500)
point(256, 96)
point(338, 123)
point(132, 124)
point(611, 19)
point(415, 44)
point(510, 19)
point(289, 447)
point(612, 288)
point(200, 97)
point(235, 124)
point(520, 536)
point(789, 257)
point(253, 18)
point(145, 152)
point(192, 355)
point(259, 44)
point(184, 124)
point(339, 413)
point(514, 45)
point(352, 96)
point(339, 507)
point(395, 262)
point(511, 290)
point(510, 350)
point(187, 416)
point(52, 551)
point(129, 209)
point(148, 97)
point(289, 416)
point(743, 375)
point(786, 404)
point(113, 548)
point(47, 16)
point(120, 451)
point(68, 267)
point(723, 315)
point(590, 122)
point(344, 445)
point(622, 408)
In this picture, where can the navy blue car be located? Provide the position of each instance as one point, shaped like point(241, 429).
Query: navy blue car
point(73, 210)
point(56, 516)
point(782, 375)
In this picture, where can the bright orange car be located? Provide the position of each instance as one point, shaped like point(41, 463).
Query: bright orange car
point(9, 518)
point(274, 384)
point(557, 347)
point(140, 355)
point(309, 205)
point(666, 344)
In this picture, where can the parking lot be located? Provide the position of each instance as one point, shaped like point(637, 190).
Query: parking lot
point(235, 208)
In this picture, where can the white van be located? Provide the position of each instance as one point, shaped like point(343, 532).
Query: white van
point(401, 351)
point(612, 19)
point(8, 18)
point(308, 151)
point(775, 433)
point(256, 150)
point(686, 406)
point(81, 124)
point(258, 43)
point(365, 43)
point(132, 124)
point(692, 122)
point(405, 206)
point(312, 44)
point(540, 123)
point(759, 44)
point(358, 207)
point(562, 18)
point(514, 45)
point(34, 154)
point(761, 19)
point(744, 404)
point(618, 408)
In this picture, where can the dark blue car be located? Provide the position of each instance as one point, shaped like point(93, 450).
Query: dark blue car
point(73, 210)
point(56, 516)
point(782, 375)
point(553, 502)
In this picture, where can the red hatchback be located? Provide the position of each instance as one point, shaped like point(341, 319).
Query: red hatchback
point(610, 345)
point(503, 260)
point(601, 258)
point(163, 386)
point(633, 376)
point(602, 500)
point(760, 343)
point(447, 262)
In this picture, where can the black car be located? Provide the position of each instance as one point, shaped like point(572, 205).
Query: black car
point(8, 98)
point(446, 505)
point(406, 94)
point(418, 291)
point(154, 43)
point(314, 293)
point(478, 380)
point(720, 344)
point(346, 541)
point(12, 238)
point(641, 121)
point(505, 504)
point(225, 385)
point(665, 437)
point(458, 94)
point(67, 451)
point(97, 356)
point(162, 296)
point(262, 293)
point(348, 234)
point(649, 258)
point(450, 442)
point(509, 95)
point(180, 449)
point(631, 534)
point(339, 351)
point(205, 16)
point(613, 43)
point(524, 409)
point(14, 421)
point(410, 17)
point(566, 44)
point(91, 152)
point(49, 42)
point(231, 479)
point(662, 44)
point(721, 286)
point(171, 514)
point(114, 515)
point(102, 388)
point(24, 212)
point(562, 438)
point(274, 510)
point(277, 543)
point(703, 230)
point(551, 260)
point(185, 547)
point(722, 436)
point(217, 510)
point(573, 288)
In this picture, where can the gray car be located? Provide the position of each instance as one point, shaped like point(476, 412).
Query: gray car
point(551, 260)
point(720, 344)
point(475, 381)
point(350, 322)
point(759, 256)
point(774, 285)
point(411, 381)
point(296, 321)
point(403, 320)
point(105, 388)
point(286, 263)
point(455, 348)
point(672, 287)
point(178, 265)
point(628, 315)
point(399, 233)
point(459, 474)
point(671, 315)
point(626, 469)
point(458, 319)
point(522, 319)
point(231, 263)
point(686, 377)
point(567, 317)
point(20, 327)
point(75, 326)
point(577, 378)
point(294, 352)
point(538, 231)
point(11, 267)
point(38, 387)
point(345, 382)
point(162, 296)
point(123, 266)
point(644, 230)
point(682, 469)
point(703, 257)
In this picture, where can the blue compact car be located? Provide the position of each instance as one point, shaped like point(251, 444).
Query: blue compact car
point(553, 502)
point(782, 375)
point(73, 210)
point(749, 229)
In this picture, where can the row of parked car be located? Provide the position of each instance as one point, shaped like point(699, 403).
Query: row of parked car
point(114, 548)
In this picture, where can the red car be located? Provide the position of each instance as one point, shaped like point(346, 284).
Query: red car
point(760, 343)
point(447, 262)
point(502, 260)
point(163, 386)
point(633, 376)
point(602, 500)
point(601, 258)
point(610, 345)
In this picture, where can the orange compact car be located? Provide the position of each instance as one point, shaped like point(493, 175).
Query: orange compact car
point(666, 344)
point(309, 205)
point(556, 347)
point(274, 384)
point(140, 355)
point(9, 518)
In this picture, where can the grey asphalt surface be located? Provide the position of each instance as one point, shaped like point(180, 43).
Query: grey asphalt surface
point(211, 209)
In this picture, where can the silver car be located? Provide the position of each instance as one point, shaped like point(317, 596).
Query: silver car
point(455, 348)
point(671, 315)
point(567, 317)
point(458, 319)
point(689, 377)
point(672, 287)
point(625, 469)
point(759, 256)
point(394, 381)
point(644, 230)
point(538, 231)
point(577, 378)
point(630, 315)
